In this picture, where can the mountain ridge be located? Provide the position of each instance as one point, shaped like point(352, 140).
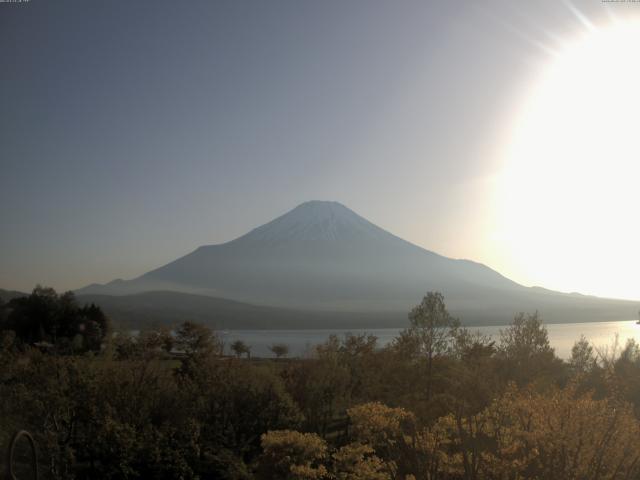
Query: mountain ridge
point(322, 256)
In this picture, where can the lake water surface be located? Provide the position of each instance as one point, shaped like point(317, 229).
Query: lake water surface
point(561, 336)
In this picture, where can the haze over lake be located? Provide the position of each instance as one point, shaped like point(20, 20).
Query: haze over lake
point(561, 336)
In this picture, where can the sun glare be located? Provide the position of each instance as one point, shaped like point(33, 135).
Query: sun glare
point(568, 198)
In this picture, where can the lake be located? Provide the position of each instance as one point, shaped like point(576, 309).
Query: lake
point(561, 336)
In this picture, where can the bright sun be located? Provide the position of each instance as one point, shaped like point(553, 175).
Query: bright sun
point(568, 200)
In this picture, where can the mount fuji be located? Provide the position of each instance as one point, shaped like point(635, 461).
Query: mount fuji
point(322, 256)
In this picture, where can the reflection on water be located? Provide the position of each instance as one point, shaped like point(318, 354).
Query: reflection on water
point(561, 335)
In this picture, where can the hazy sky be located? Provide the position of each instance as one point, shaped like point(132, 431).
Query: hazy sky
point(133, 132)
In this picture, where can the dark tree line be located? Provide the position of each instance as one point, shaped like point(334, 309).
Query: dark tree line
point(55, 321)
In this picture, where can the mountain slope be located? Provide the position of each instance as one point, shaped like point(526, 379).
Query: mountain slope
point(7, 295)
point(323, 256)
point(320, 255)
point(151, 309)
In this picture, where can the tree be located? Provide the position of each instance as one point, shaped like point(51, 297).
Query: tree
point(162, 340)
point(280, 349)
point(3, 311)
point(582, 356)
point(471, 346)
point(94, 326)
point(198, 343)
point(356, 353)
point(149, 344)
point(240, 348)
point(195, 339)
point(291, 455)
point(392, 433)
point(433, 330)
point(45, 316)
point(525, 337)
point(559, 435)
point(525, 350)
point(320, 386)
point(356, 461)
point(234, 403)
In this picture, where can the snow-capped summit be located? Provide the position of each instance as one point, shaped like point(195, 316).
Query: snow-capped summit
point(314, 221)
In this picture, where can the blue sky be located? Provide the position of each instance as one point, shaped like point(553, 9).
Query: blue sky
point(133, 132)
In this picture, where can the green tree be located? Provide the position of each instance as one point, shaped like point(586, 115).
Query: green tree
point(320, 386)
point(582, 358)
point(526, 353)
point(432, 331)
point(234, 403)
point(525, 337)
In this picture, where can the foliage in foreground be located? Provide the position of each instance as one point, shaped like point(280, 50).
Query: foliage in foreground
point(440, 402)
